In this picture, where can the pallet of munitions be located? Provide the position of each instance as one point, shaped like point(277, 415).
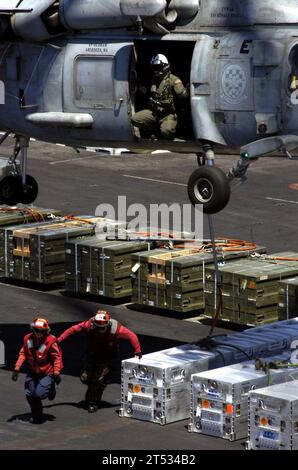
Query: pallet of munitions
point(157, 387)
point(100, 267)
point(22, 214)
point(175, 279)
point(288, 298)
point(249, 288)
point(273, 417)
point(219, 398)
point(36, 252)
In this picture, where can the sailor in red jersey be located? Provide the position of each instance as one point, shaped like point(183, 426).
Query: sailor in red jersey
point(104, 334)
point(43, 356)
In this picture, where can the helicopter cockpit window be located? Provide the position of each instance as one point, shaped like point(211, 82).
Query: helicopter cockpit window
point(94, 82)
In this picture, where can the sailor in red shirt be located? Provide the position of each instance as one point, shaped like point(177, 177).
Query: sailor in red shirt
point(44, 360)
point(104, 335)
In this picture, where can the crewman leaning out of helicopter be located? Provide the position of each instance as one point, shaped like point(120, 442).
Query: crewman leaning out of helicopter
point(103, 334)
point(161, 114)
point(44, 360)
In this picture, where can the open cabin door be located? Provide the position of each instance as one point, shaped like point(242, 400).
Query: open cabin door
point(96, 81)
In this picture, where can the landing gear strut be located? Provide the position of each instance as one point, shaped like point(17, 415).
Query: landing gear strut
point(208, 185)
point(17, 186)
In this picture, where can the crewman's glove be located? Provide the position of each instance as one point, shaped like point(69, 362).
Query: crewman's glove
point(84, 377)
point(15, 375)
point(138, 355)
point(154, 104)
point(57, 379)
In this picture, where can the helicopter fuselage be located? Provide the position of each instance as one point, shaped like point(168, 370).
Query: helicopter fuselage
point(72, 71)
point(83, 89)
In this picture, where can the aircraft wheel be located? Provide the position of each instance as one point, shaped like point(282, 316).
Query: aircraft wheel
point(29, 191)
point(209, 186)
point(10, 190)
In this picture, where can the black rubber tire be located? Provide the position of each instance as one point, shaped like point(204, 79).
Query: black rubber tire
point(215, 183)
point(10, 190)
point(30, 192)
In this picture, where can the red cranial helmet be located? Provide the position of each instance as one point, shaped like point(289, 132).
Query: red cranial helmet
point(40, 327)
point(102, 320)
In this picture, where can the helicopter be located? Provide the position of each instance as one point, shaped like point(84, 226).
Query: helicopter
point(70, 72)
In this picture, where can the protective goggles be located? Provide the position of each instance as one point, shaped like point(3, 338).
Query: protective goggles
point(38, 331)
point(102, 327)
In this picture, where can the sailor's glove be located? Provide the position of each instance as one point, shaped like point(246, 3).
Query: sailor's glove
point(15, 375)
point(57, 379)
point(154, 104)
point(138, 355)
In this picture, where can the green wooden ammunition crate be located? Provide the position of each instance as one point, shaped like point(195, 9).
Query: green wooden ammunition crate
point(225, 314)
point(263, 316)
point(36, 252)
point(252, 274)
point(139, 297)
point(248, 305)
point(250, 286)
point(181, 267)
point(116, 288)
point(187, 302)
point(22, 214)
point(165, 277)
point(267, 315)
point(157, 298)
point(101, 267)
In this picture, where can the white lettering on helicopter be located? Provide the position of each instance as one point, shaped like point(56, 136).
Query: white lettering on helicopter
point(99, 48)
point(2, 92)
point(226, 12)
point(245, 46)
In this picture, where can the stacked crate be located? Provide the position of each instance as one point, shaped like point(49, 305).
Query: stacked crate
point(36, 252)
point(249, 288)
point(288, 298)
point(219, 397)
point(157, 388)
point(22, 214)
point(273, 417)
point(175, 279)
point(100, 267)
point(18, 215)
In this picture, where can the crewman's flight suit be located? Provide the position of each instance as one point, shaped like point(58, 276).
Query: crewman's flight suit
point(162, 111)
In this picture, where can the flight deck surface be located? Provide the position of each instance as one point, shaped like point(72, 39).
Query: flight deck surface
point(264, 211)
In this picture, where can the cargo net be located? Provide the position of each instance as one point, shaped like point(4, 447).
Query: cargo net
point(91, 221)
point(28, 213)
point(221, 245)
point(171, 240)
